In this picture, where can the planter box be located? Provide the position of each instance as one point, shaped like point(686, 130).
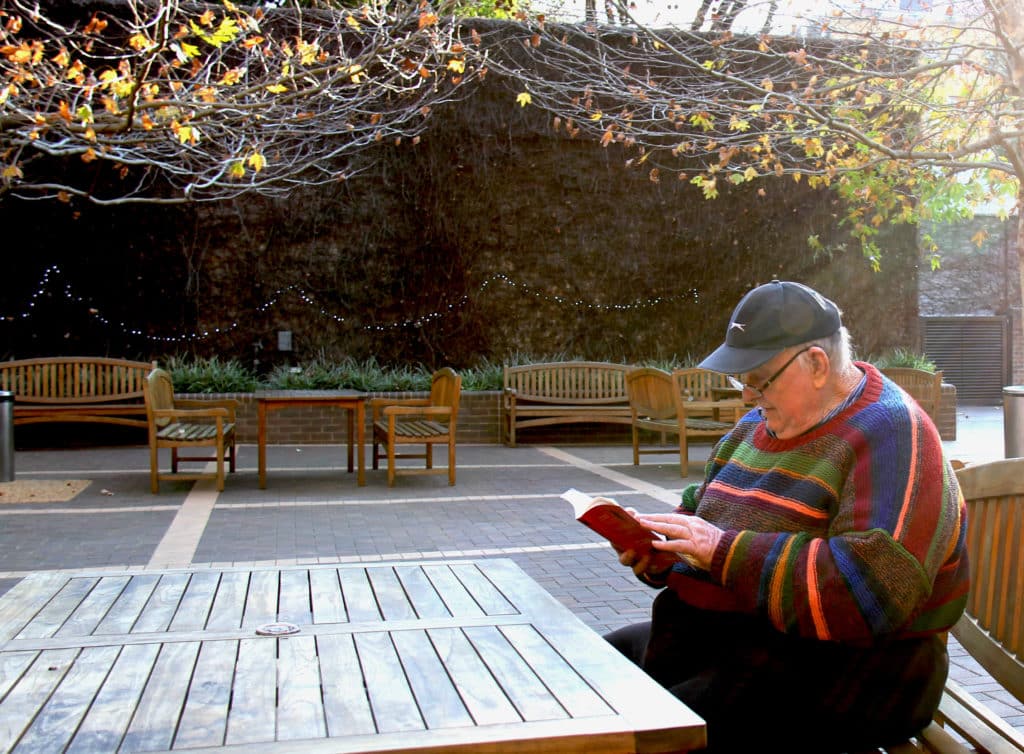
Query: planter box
point(479, 422)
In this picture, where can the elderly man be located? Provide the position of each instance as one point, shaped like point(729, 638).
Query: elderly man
point(824, 550)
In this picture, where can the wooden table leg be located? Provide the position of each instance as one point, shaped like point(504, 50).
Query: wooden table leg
point(261, 442)
point(360, 438)
point(350, 414)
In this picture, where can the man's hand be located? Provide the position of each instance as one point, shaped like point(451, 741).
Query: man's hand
point(690, 537)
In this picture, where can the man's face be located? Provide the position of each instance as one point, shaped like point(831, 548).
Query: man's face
point(785, 392)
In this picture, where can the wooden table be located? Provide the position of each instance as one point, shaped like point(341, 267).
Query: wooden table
point(459, 656)
point(352, 400)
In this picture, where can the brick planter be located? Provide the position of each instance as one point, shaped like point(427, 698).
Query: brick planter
point(479, 422)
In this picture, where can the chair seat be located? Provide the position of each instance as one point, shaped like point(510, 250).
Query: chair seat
point(419, 428)
point(192, 432)
point(708, 425)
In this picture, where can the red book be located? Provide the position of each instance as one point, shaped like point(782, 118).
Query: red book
point(614, 523)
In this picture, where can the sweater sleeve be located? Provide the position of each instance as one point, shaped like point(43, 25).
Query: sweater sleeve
point(886, 559)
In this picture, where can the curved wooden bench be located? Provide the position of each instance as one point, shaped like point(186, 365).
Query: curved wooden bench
point(76, 389)
point(563, 392)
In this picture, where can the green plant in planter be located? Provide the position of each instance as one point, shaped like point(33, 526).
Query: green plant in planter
point(903, 357)
point(212, 375)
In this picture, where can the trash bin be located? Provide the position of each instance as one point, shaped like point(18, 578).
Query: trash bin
point(1013, 421)
point(6, 436)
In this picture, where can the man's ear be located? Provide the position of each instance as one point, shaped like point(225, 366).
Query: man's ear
point(821, 366)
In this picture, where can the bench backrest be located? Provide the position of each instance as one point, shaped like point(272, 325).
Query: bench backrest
point(70, 379)
point(992, 629)
point(585, 382)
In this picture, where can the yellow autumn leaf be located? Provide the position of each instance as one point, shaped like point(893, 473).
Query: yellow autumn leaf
point(12, 171)
point(979, 238)
point(256, 161)
point(597, 116)
point(523, 99)
point(140, 42)
point(231, 77)
point(277, 88)
point(237, 169)
point(458, 66)
point(351, 21)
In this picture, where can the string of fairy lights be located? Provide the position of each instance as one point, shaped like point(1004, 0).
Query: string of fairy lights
point(49, 282)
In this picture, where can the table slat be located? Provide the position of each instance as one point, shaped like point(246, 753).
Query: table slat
point(114, 705)
point(325, 592)
point(346, 706)
point(391, 597)
point(394, 706)
point(194, 608)
point(424, 597)
point(299, 708)
point(484, 698)
point(53, 727)
point(439, 701)
point(12, 665)
point(129, 605)
point(49, 620)
point(94, 607)
point(572, 691)
point(156, 718)
point(459, 602)
point(229, 602)
point(261, 603)
point(158, 612)
point(28, 696)
point(489, 597)
point(294, 603)
point(527, 692)
point(204, 719)
point(23, 600)
point(255, 692)
point(359, 598)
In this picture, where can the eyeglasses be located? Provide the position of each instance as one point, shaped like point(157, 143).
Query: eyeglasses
point(759, 391)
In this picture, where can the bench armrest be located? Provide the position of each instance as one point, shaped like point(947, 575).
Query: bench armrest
point(229, 404)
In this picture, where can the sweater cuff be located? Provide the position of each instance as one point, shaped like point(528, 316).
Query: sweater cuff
point(720, 558)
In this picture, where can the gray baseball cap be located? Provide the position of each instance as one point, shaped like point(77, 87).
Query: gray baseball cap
point(769, 319)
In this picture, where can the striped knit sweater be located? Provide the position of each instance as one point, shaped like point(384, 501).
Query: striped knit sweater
point(851, 531)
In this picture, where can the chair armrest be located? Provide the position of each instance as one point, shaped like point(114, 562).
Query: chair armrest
point(186, 414)
point(229, 404)
point(426, 410)
point(733, 406)
point(379, 404)
point(509, 397)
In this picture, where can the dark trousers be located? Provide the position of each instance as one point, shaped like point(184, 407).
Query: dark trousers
point(761, 690)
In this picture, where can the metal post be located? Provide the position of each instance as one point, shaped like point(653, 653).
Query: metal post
point(6, 436)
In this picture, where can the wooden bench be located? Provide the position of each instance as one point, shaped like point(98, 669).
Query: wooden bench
point(992, 627)
point(77, 389)
point(564, 392)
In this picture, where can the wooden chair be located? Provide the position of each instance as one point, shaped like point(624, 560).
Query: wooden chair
point(992, 628)
point(418, 421)
point(656, 403)
point(176, 423)
point(699, 386)
point(923, 386)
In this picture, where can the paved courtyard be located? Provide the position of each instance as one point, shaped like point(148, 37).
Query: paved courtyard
point(506, 504)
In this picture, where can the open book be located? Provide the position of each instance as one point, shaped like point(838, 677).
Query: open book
point(614, 523)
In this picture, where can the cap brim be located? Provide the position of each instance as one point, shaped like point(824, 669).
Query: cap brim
point(729, 360)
